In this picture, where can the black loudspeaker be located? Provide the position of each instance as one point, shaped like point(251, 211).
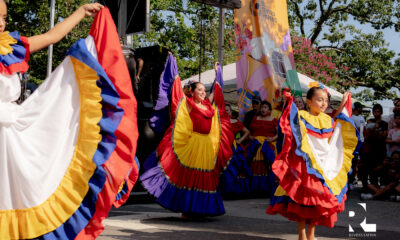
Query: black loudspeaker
point(154, 59)
point(136, 14)
point(146, 92)
point(222, 3)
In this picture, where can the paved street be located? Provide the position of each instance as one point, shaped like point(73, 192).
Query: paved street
point(141, 218)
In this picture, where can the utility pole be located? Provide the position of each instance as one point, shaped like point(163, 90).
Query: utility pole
point(221, 34)
point(122, 20)
point(50, 49)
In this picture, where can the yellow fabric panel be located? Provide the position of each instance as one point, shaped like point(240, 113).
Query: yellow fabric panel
point(350, 141)
point(5, 41)
point(195, 150)
point(280, 192)
point(276, 114)
point(322, 121)
point(259, 155)
point(349, 144)
point(121, 186)
point(61, 205)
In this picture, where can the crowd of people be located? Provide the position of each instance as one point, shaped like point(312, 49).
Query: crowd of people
point(377, 165)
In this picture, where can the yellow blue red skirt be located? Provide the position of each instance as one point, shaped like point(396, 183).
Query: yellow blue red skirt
point(184, 172)
point(67, 150)
point(313, 165)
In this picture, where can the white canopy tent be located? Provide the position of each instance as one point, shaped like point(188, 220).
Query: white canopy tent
point(229, 75)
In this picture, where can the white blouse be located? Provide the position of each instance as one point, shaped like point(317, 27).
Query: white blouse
point(10, 90)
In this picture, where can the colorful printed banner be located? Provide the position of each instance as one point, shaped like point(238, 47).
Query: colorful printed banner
point(264, 52)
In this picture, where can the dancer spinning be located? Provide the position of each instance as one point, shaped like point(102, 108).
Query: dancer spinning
point(183, 174)
point(57, 147)
point(313, 165)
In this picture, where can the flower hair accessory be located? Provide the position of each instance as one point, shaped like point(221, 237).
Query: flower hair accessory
point(186, 88)
point(318, 85)
point(314, 84)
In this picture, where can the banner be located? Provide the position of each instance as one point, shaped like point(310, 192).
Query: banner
point(264, 56)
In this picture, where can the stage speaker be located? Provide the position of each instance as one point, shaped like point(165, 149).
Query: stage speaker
point(134, 15)
point(234, 4)
point(145, 86)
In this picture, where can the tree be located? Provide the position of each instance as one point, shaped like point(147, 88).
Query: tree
point(370, 64)
point(175, 25)
point(184, 27)
point(32, 17)
point(313, 63)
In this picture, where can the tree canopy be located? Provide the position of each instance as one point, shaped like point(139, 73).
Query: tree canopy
point(331, 27)
point(337, 32)
point(184, 27)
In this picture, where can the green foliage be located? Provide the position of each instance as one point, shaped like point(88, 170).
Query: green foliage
point(33, 17)
point(367, 61)
point(176, 25)
point(313, 63)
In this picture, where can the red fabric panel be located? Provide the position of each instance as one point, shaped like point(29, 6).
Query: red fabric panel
point(121, 161)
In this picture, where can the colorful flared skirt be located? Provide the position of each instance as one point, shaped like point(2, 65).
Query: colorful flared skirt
point(184, 172)
point(313, 165)
point(69, 149)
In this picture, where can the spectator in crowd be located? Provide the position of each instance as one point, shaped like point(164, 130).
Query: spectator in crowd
point(373, 151)
point(228, 109)
point(393, 138)
point(388, 174)
point(299, 103)
point(330, 110)
point(359, 121)
point(396, 103)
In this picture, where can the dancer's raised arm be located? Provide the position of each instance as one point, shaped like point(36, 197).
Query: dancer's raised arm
point(59, 31)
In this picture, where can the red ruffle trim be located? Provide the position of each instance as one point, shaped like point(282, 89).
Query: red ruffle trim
point(323, 135)
point(184, 177)
point(311, 215)
point(121, 165)
point(18, 67)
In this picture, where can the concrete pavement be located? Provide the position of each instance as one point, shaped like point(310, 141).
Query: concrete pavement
point(141, 218)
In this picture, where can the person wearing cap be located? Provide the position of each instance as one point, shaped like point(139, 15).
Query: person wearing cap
point(358, 119)
point(255, 106)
